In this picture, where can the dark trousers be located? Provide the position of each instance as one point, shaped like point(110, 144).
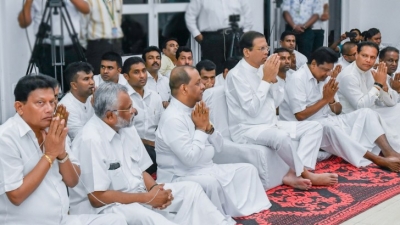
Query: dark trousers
point(152, 153)
point(304, 41)
point(216, 46)
point(318, 39)
point(45, 63)
point(96, 49)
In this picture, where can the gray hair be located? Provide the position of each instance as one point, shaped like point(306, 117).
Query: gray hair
point(106, 98)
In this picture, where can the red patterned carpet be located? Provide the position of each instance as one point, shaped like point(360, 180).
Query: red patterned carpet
point(358, 190)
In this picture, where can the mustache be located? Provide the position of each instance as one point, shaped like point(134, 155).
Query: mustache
point(155, 64)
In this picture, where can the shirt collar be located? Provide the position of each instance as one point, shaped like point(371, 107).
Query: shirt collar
point(23, 127)
point(247, 66)
point(180, 105)
point(160, 76)
point(107, 131)
point(358, 69)
point(132, 91)
point(308, 72)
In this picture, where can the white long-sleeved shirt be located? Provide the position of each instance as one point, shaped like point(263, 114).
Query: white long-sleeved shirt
point(300, 59)
point(149, 108)
point(396, 95)
point(98, 80)
point(220, 80)
point(302, 91)
point(285, 112)
point(181, 149)
point(357, 90)
point(251, 101)
point(341, 61)
point(213, 15)
point(161, 86)
point(79, 113)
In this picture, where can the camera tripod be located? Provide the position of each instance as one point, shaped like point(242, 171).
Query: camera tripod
point(236, 32)
point(45, 31)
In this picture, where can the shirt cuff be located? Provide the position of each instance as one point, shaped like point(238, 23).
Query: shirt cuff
point(196, 33)
point(264, 86)
point(200, 136)
point(12, 186)
point(374, 91)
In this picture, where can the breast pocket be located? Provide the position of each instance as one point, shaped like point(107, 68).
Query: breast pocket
point(116, 175)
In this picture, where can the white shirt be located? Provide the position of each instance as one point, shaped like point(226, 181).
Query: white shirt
point(149, 108)
point(101, 148)
point(303, 90)
point(98, 80)
point(19, 154)
point(302, 11)
point(37, 11)
point(98, 24)
point(181, 149)
point(161, 86)
point(79, 113)
point(396, 95)
point(213, 15)
point(166, 65)
point(251, 101)
point(300, 59)
point(321, 25)
point(285, 112)
point(342, 61)
point(357, 90)
point(219, 80)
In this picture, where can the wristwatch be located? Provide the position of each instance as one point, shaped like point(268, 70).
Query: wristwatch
point(211, 130)
point(64, 159)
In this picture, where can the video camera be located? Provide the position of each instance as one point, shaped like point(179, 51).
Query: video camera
point(234, 18)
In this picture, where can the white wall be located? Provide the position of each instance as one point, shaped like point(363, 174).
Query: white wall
point(366, 14)
point(14, 55)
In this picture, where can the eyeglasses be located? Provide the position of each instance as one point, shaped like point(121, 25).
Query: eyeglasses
point(263, 49)
point(125, 110)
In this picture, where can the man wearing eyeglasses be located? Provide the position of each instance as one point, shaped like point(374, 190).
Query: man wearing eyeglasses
point(147, 103)
point(252, 98)
point(349, 51)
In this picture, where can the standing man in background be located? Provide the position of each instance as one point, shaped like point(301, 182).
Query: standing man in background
point(320, 26)
point(300, 16)
point(208, 22)
point(33, 12)
point(102, 30)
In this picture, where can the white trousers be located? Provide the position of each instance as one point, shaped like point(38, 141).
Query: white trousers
point(308, 136)
point(190, 206)
point(95, 219)
point(238, 193)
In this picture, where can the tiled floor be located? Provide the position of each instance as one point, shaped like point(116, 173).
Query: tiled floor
point(386, 213)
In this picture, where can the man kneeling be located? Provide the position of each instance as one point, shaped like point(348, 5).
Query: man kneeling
point(114, 179)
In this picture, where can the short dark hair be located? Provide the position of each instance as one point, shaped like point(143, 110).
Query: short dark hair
point(367, 43)
point(150, 49)
point(279, 50)
point(246, 41)
point(287, 33)
point(179, 76)
point(182, 49)
point(205, 64)
point(323, 55)
point(30, 83)
point(129, 62)
point(230, 63)
point(370, 33)
point(164, 45)
point(114, 57)
point(71, 72)
point(387, 49)
point(347, 46)
point(357, 30)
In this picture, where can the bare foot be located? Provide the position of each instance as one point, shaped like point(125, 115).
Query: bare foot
point(292, 180)
point(392, 163)
point(322, 179)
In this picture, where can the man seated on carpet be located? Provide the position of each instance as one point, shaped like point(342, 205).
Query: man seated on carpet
point(206, 69)
point(360, 86)
point(252, 98)
point(352, 136)
point(114, 179)
point(186, 142)
point(184, 57)
point(220, 79)
point(77, 101)
point(349, 51)
point(36, 163)
point(390, 56)
point(110, 69)
point(155, 80)
point(147, 103)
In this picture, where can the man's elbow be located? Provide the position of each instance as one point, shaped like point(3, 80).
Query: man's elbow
point(14, 198)
point(300, 117)
point(72, 183)
point(94, 201)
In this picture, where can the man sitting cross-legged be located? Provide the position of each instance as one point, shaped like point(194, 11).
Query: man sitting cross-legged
point(186, 142)
point(113, 176)
point(36, 163)
point(252, 98)
point(353, 136)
